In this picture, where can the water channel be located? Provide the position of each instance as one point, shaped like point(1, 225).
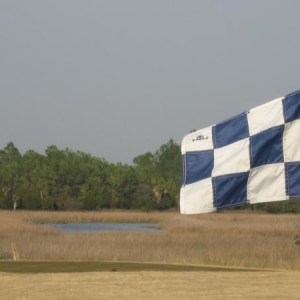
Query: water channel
point(92, 227)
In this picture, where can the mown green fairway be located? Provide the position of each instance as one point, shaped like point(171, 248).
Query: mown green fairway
point(32, 267)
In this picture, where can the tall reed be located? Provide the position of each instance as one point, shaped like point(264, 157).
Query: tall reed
point(227, 239)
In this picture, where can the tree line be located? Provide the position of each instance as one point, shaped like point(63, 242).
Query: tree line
point(63, 179)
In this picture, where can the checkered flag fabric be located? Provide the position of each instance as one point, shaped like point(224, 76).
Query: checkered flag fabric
point(251, 158)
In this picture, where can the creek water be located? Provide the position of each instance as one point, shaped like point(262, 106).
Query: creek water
point(92, 227)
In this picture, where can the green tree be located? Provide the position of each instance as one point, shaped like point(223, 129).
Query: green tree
point(162, 172)
point(123, 181)
point(10, 161)
point(143, 198)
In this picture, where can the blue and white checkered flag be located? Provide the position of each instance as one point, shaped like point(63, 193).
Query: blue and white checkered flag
point(251, 158)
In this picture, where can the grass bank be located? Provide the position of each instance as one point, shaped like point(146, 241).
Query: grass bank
point(246, 240)
point(34, 267)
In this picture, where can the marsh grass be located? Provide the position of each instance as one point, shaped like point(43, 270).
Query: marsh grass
point(223, 239)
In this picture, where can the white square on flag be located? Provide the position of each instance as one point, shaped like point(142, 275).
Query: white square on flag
point(234, 158)
point(291, 142)
point(265, 116)
point(200, 197)
point(267, 183)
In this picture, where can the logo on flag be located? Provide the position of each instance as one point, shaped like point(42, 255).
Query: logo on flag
point(200, 137)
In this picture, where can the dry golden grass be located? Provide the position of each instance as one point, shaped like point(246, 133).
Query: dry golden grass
point(225, 239)
point(278, 285)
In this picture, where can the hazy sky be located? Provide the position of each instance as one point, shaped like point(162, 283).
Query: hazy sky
point(120, 78)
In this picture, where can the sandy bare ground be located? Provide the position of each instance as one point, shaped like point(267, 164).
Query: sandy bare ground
point(151, 285)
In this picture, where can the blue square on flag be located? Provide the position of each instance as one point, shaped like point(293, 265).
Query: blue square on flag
point(291, 106)
point(293, 179)
point(199, 165)
point(266, 147)
point(231, 131)
point(230, 190)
